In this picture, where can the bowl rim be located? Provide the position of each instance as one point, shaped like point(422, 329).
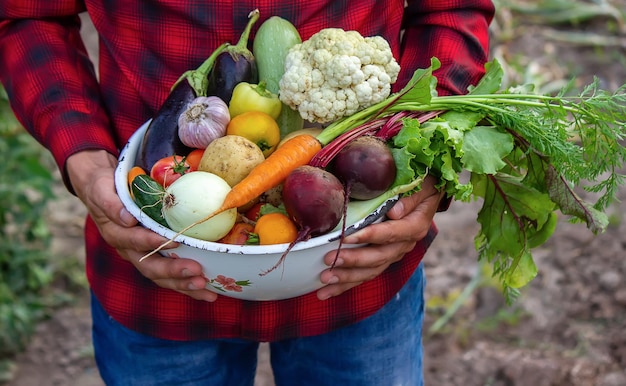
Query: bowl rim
point(121, 185)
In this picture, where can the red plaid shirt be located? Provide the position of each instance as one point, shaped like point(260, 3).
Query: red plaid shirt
point(144, 47)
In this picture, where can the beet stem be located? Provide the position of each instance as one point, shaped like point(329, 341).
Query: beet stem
point(384, 128)
point(303, 235)
point(346, 192)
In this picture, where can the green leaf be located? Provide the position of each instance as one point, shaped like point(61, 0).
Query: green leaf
point(572, 204)
point(523, 273)
point(510, 211)
point(484, 147)
point(422, 86)
point(491, 81)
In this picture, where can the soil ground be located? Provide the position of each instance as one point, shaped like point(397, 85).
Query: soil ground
point(567, 328)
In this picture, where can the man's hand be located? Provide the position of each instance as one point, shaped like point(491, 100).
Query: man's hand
point(408, 222)
point(91, 173)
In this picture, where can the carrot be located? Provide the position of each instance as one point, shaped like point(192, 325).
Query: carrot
point(297, 151)
point(132, 173)
point(270, 173)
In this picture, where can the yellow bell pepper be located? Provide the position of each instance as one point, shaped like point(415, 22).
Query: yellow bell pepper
point(254, 97)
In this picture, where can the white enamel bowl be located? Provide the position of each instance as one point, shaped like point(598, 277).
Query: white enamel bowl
point(236, 271)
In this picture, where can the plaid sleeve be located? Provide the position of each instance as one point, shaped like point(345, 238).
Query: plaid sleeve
point(50, 80)
point(456, 32)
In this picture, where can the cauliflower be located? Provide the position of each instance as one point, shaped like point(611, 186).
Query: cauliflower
point(336, 73)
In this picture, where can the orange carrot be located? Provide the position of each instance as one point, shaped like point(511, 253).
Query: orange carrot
point(132, 173)
point(297, 151)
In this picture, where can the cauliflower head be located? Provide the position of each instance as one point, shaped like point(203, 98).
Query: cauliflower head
point(336, 73)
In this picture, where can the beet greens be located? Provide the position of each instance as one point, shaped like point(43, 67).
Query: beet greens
point(525, 154)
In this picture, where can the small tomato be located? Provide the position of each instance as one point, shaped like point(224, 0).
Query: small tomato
point(275, 228)
point(257, 127)
point(169, 169)
point(239, 234)
point(193, 158)
point(254, 212)
point(254, 97)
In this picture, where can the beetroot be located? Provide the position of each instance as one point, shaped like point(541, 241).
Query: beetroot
point(365, 166)
point(314, 199)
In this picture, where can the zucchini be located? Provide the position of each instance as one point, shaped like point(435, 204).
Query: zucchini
point(270, 47)
point(148, 195)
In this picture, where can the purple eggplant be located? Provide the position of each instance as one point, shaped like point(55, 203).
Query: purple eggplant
point(234, 65)
point(161, 137)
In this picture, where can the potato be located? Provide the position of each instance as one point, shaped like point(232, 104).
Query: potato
point(273, 196)
point(231, 157)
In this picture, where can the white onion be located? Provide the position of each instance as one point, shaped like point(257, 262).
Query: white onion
point(191, 198)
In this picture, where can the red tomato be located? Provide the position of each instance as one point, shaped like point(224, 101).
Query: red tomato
point(169, 169)
point(238, 235)
point(254, 212)
point(193, 158)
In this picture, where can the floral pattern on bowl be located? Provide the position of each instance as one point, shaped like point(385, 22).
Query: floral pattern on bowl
point(224, 284)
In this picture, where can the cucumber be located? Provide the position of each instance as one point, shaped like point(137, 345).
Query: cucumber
point(270, 47)
point(148, 195)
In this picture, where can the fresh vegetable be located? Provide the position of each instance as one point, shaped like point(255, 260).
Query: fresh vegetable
point(161, 137)
point(271, 43)
point(231, 157)
point(539, 235)
point(262, 208)
point(313, 131)
point(234, 65)
point(336, 73)
point(254, 212)
point(273, 196)
point(275, 228)
point(193, 196)
point(240, 234)
point(257, 127)
point(254, 97)
point(298, 151)
point(132, 173)
point(273, 171)
point(148, 195)
point(168, 169)
point(193, 158)
point(314, 199)
point(365, 166)
point(525, 155)
point(204, 120)
point(524, 152)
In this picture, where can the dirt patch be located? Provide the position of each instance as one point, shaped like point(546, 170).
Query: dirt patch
point(567, 328)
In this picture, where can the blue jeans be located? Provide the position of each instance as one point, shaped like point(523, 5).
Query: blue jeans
point(384, 349)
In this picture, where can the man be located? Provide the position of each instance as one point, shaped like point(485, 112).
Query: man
point(154, 322)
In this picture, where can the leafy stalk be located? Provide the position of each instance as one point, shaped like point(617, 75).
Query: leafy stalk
point(526, 154)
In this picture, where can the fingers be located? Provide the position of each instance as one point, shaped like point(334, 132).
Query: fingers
point(408, 220)
point(182, 275)
point(427, 195)
point(357, 265)
point(387, 242)
point(92, 176)
point(412, 227)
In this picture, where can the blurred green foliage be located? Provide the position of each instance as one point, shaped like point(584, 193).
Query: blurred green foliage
point(25, 268)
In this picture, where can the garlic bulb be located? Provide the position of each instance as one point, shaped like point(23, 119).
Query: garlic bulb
point(204, 120)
